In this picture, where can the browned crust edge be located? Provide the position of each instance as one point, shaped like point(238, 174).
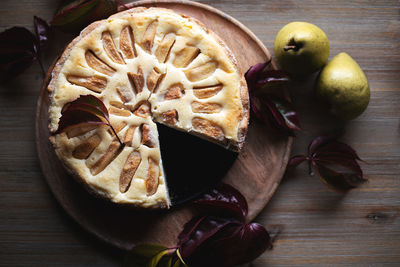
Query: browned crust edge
point(244, 95)
point(99, 194)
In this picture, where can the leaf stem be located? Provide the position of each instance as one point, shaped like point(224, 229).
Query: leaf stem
point(290, 47)
point(121, 4)
point(310, 169)
point(116, 135)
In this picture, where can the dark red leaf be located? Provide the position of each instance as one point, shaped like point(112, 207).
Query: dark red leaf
point(103, 10)
point(296, 160)
point(288, 112)
point(276, 113)
point(337, 148)
point(351, 164)
point(18, 50)
point(338, 181)
point(188, 229)
point(232, 245)
point(261, 112)
point(42, 31)
point(78, 14)
point(224, 200)
point(85, 109)
point(122, 4)
point(335, 162)
point(272, 79)
point(88, 103)
point(263, 79)
point(77, 117)
point(204, 229)
point(266, 100)
point(74, 16)
point(254, 73)
point(321, 140)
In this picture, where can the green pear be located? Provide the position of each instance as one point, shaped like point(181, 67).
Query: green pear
point(301, 48)
point(344, 86)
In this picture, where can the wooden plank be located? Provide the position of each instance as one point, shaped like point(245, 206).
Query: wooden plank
point(319, 227)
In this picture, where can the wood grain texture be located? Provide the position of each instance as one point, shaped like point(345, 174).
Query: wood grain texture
point(318, 227)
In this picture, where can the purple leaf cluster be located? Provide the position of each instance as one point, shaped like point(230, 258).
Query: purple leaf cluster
point(19, 48)
point(219, 236)
point(266, 100)
point(335, 162)
point(222, 238)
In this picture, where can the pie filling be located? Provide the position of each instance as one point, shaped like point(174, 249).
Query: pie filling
point(147, 66)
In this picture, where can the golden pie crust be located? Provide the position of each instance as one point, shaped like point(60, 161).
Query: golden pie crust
point(147, 65)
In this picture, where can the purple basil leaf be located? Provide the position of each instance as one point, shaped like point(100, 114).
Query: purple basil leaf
point(232, 245)
point(296, 160)
point(204, 230)
point(224, 200)
point(18, 50)
point(338, 181)
point(42, 31)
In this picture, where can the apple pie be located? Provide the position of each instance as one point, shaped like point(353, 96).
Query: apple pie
point(148, 66)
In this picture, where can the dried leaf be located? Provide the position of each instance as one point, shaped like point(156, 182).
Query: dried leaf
point(18, 50)
point(335, 162)
point(224, 200)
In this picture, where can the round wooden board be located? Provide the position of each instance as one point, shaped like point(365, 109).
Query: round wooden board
point(256, 172)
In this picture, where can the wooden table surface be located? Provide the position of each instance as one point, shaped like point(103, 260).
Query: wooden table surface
point(317, 226)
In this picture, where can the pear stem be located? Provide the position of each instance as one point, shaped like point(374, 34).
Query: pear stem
point(291, 47)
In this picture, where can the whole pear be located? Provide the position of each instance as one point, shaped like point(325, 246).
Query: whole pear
point(301, 48)
point(344, 86)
